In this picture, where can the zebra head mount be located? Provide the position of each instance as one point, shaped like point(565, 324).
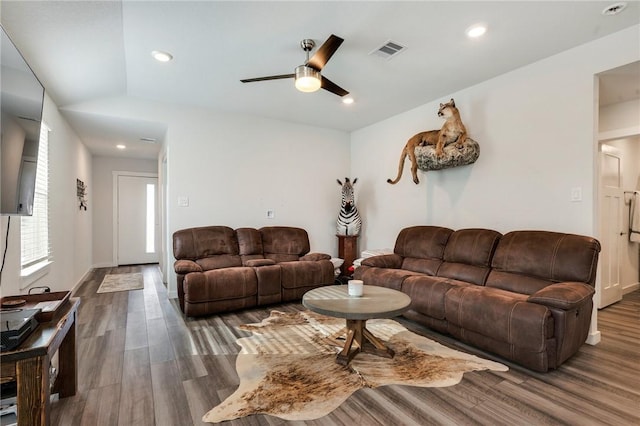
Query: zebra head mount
point(348, 201)
point(349, 221)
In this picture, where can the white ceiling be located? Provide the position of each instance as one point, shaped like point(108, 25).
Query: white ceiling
point(88, 52)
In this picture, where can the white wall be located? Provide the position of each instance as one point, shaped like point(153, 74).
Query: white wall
point(535, 127)
point(103, 168)
point(620, 116)
point(70, 228)
point(234, 168)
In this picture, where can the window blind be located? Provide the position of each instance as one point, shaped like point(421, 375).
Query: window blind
point(35, 229)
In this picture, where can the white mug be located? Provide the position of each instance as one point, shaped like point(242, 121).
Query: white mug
point(355, 288)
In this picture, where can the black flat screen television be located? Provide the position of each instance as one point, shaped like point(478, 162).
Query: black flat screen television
point(21, 102)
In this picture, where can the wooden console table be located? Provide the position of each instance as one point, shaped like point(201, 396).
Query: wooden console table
point(28, 365)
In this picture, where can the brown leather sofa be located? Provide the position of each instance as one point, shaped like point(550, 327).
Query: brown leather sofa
point(525, 296)
point(220, 269)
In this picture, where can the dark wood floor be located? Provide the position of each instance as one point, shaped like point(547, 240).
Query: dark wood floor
point(142, 363)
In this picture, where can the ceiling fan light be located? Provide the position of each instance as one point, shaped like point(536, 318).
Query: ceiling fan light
point(307, 79)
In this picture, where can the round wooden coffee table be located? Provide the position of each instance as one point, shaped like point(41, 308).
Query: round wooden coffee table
point(376, 302)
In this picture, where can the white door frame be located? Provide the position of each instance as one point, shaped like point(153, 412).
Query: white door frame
point(600, 137)
point(115, 176)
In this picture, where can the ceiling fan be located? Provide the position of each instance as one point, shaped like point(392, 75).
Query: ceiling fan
point(307, 76)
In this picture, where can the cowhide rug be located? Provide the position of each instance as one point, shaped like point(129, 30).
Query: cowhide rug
point(287, 368)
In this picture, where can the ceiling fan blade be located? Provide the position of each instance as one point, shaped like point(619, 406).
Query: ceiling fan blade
point(332, 87)
point(271, 77)
point(325, 52)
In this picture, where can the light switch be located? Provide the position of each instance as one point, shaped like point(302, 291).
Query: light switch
point(183, 201)
point(271, 214)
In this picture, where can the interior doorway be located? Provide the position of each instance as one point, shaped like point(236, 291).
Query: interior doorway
point(618, 136)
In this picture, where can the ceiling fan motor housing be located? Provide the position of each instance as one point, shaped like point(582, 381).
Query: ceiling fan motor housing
point(307, 79)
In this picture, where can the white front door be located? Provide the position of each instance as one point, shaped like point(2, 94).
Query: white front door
point(137, 219)
point(611, 225)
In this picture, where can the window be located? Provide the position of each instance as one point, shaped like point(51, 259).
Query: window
point(35, 229)
point(151, 218)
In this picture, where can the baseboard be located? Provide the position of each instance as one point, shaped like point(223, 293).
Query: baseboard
point(104, 265)
point(594, 338)
point(630, 288)
point(79, 283)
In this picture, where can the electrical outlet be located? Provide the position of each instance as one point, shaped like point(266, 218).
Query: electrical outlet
point(183, 201)
point(271, 214)
point(576, 194)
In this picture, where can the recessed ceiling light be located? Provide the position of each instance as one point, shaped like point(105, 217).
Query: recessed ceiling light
point(614, 9)
point(476, 30)
point(347, 100)
point(120, 146)
point(161, 56)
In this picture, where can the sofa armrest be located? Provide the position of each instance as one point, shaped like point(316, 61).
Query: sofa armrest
point(566, 295)
point(392, 261)
point(184, 266)
point(259, 262)
point(314, 257)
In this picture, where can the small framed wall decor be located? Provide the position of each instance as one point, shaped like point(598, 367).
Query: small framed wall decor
point(81, 192)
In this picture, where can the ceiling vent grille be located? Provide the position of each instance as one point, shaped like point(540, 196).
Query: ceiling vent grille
point(388, 50)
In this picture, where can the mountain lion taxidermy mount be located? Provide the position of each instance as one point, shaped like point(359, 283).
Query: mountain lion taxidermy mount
point(452, 131)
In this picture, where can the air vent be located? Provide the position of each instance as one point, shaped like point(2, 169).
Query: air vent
point(614, 9)
point(149, 140)
point(388, 50)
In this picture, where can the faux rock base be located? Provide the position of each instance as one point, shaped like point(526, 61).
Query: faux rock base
point(453, 156)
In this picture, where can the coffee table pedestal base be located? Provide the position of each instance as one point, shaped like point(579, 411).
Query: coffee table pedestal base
point(365, 341)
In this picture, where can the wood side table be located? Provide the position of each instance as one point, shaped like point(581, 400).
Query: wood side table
point(28, 365)
point(347, 250)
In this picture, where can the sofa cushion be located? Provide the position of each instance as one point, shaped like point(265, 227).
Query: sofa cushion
point(427, 293)
point(284, 243)
point(196, 243)
point(393, 261)
point(424, 266)
point(515, 282)
point(423, 242)
point(545, 256)
point(314, 257)
point(220, 284)
point(184, 266)
point(467, 256)
point(383, 277)
point(258, 262)
point(249, 241)
point(565, 296)
point(501, 315)
point(217, 262)
point(304, 274)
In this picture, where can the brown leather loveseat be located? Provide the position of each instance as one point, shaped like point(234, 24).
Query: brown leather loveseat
point(220, 269)
point(525, 295)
